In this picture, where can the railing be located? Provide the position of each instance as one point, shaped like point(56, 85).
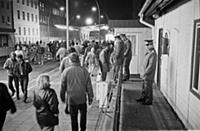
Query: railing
point(118, 102)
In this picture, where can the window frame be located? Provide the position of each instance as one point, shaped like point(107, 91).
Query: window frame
point(195, 91)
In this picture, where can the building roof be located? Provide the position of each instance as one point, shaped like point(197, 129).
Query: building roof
point(125, 24)
point(154, 9)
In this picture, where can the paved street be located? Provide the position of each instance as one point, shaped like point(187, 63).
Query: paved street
point(24, 119)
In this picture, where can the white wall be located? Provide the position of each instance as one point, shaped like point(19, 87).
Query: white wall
point(25, 23)
point(141, 34)
point(176, 68)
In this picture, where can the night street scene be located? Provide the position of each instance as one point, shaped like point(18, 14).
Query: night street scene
point(99, 65)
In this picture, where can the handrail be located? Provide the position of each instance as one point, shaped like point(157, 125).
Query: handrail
point(118, 102)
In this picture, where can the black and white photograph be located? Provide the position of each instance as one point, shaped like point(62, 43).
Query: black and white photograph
point(99, 65)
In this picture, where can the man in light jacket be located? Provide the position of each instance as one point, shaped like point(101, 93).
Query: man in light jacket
point(76, 82)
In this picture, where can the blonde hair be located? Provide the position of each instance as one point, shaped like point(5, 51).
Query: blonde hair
point(43, 81)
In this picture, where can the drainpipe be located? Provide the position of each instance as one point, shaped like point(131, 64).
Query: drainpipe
point(141, 14)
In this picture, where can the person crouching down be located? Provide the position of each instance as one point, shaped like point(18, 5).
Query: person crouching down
point(76, 83)
point(22, 70)
point(46, 103)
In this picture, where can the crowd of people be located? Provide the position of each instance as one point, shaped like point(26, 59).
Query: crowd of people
point(78, 64)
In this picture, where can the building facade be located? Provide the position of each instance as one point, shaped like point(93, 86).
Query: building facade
point(176, 33)
point(6, 28)
point(26, 21)
point(52, 13)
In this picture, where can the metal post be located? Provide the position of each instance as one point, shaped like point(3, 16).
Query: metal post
point(67, 23)
point(99, 19)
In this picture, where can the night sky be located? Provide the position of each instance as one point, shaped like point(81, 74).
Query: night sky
point(111, 9)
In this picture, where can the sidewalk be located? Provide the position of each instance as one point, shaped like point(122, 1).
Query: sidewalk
point(134, 116)
point(24, 119)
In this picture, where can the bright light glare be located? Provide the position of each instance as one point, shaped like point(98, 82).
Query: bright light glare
point(62, 8)
point(78, 16)
point(102, 16)
point(89, 21)
point(94, 8)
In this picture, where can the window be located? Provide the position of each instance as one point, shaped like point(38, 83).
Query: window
point(28, 16)
point(18, 14)
point(33, 31)
point(2, 4)
point(24, 30)
point(35, 18)
point(3, 40)
point(36, 31)
point(8, 5)
point(29, 31)
point(3, 19)
point(23, 14)
point(32, 16)
point(23, 2)
point(27, 2)
point(35, 4)
point(8, 19)
point(31, 3)
point(19, 30)
point(17, 1)
point(165, 45)
point(195, 87)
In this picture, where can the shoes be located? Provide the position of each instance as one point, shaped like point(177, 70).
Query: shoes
point(146, 103)
point(140, 100)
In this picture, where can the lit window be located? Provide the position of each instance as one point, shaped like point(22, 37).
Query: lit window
point(195, 88)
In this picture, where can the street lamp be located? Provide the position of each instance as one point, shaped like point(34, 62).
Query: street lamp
point(99, 17)
point(78, 17)
point(94, 9)
point(89, 21)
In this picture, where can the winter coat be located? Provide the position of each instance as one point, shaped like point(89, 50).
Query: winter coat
point(149, 65)
point(26, 69)
point(119, 52)
point(76, 82)
point(44, 113)
point(104, 58)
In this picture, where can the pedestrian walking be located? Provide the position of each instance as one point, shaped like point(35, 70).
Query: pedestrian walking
point(10, 66)
point(104, 59)
point(127, 56)
point(91, 61)
point(46, 103)
point(65, 61)
point(76, 83)
point(6, 103)
point(22, 70)
point(118, 56)
point(61, 53)
point(19, 51)
point(149, 66)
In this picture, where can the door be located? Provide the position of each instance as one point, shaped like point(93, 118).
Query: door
point(160, 36)
point(134, 69)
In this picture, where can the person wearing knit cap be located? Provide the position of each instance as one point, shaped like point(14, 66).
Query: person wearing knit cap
point(76, 84)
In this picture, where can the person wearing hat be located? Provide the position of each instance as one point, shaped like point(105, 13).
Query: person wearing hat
point(127, 56)
point(118, 55)
point(149, 66)
point(76, 83)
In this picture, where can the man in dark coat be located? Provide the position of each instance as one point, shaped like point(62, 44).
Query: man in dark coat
point(76, 83)
point(149, 66)
point(6, 103)
point(127, 56)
